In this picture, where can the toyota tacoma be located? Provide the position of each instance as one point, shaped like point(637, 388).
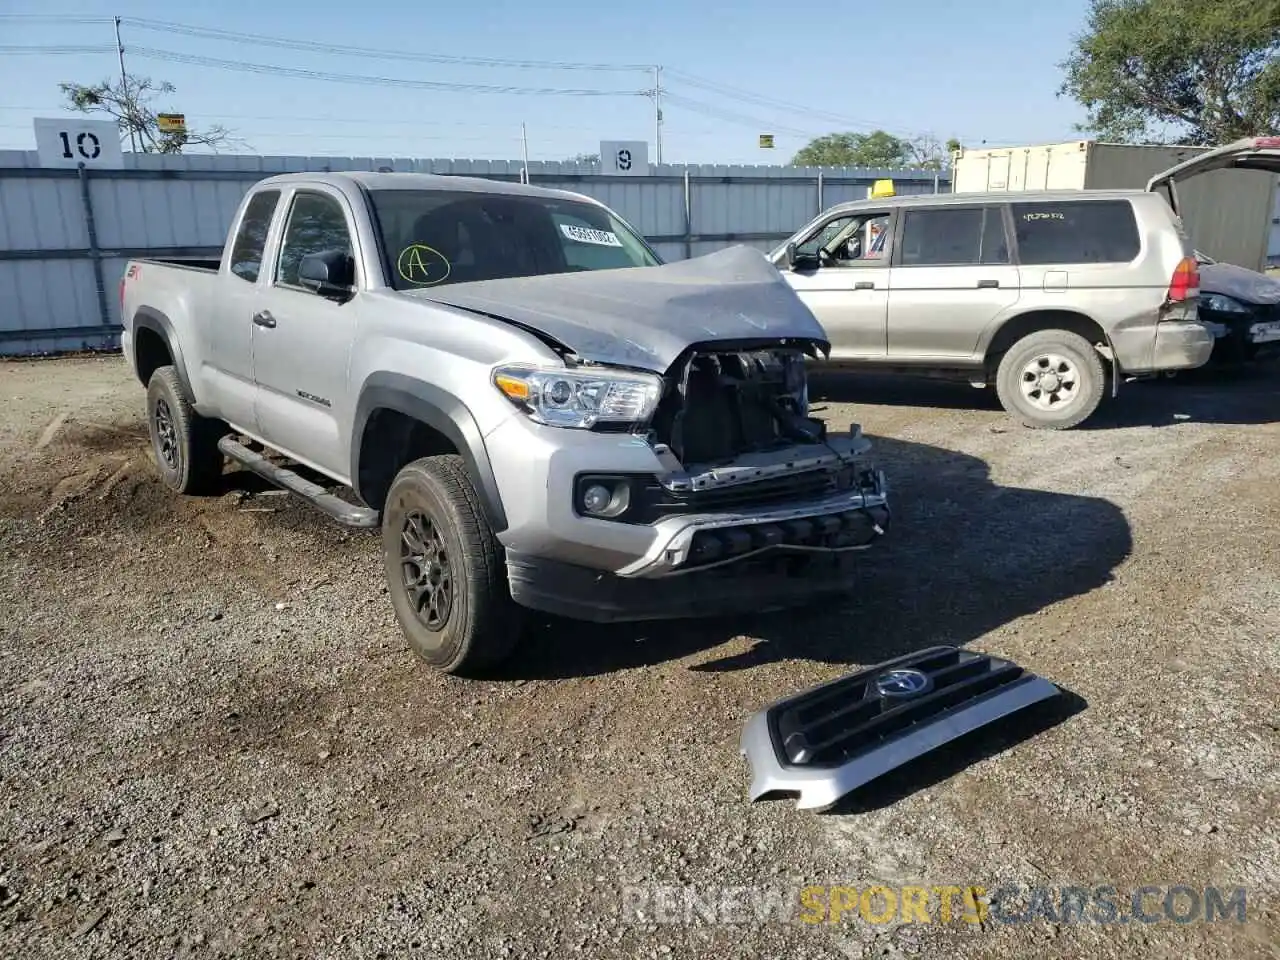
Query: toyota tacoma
point(535, 410)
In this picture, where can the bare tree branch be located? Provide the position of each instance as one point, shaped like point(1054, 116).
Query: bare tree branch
point(129, 101)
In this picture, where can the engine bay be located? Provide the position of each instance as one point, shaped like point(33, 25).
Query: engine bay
point(721, 404)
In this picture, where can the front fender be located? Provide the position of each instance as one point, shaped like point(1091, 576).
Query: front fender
point(440, 410)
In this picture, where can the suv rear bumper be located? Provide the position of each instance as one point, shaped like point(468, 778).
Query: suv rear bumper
point(1169, 344)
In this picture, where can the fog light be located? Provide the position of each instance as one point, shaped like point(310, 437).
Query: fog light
point(604, 497)
point(596, 498)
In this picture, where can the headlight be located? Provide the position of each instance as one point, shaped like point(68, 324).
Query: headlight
point(581, 399)
point(1221, 303)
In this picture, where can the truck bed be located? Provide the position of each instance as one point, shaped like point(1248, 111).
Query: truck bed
point(203, 264)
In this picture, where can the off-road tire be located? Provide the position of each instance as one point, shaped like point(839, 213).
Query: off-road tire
point(185, 444)
point(1079, 357)
point(482, 622)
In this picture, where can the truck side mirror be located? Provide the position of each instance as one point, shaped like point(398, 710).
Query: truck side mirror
point(330, 273)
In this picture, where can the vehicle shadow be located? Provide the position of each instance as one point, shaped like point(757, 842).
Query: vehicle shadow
point(1240, 394)
point(963, 557)
point(1247, 393)
point(899, 391)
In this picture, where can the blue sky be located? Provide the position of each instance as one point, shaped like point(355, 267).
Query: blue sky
point(980, 71)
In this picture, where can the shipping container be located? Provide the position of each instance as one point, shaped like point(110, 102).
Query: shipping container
point(1227, 213)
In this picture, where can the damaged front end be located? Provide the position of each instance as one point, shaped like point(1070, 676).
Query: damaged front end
point(747, 472)
point(719, 492)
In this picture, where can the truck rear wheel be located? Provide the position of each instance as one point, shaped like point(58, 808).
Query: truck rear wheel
point(445, 569)
point(1051, 380)
point(185, 443)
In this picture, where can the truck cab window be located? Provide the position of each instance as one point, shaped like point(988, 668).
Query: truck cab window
point(316, 225)
point(251, 238)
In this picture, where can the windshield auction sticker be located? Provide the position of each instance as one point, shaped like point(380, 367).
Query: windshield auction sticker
point(422, 265)
point(601, 238)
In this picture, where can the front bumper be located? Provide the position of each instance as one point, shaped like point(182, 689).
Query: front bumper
point(705, 560)
point(767, 581)
point(1244, 336)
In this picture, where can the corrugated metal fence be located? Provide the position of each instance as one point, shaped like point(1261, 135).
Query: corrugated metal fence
point(65, 234)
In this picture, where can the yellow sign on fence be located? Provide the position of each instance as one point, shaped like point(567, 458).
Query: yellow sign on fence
point(171, 122)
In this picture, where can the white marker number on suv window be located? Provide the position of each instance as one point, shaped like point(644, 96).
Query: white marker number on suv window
point(601, 238)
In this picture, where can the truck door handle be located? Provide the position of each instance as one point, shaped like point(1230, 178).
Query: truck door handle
point(264, 319)
point(988, 284)
point(864, 285)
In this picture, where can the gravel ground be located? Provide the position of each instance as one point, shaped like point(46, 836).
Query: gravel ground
point(213, 741)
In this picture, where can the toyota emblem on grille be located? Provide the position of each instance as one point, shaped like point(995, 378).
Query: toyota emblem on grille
point(902, 683)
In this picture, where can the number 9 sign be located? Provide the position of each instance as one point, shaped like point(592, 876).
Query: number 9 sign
point(70, 143)
point(625, 158)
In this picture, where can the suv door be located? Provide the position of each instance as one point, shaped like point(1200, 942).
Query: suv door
point(952, 276)
point(302, 340)
point(841, 273)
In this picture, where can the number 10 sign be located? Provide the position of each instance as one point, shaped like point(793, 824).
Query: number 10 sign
point(69, 143)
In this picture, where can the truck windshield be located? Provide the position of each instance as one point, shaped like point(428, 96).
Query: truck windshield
point(435, 237)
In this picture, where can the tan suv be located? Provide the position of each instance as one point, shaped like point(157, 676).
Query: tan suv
point(1046, 296)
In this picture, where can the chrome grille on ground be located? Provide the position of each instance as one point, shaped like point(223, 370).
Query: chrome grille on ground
point(852, 716)
point(823, 743)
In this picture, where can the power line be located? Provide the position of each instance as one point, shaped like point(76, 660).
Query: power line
point(150, 53)
point(52, 18)
point(745, 96)
point(209, 33)
point(718, 113)
point(57, 49)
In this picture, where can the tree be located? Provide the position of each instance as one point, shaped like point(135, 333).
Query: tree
point(929, 153)
point(875, 149)
point(1189, 71)
point(128, 101)
point(585, 158)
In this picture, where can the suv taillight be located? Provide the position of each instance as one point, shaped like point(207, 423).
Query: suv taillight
point(122, 296)
point(1186, 280)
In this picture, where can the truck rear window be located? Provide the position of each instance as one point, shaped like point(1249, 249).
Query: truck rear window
point(1076, 231)
point(251, 237)
point(434, 237)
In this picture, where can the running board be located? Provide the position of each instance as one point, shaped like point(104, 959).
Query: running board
point(823, 743)
point(348, 514)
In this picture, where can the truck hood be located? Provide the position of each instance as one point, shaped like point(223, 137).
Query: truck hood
point(1239, 283)
point(647, 317)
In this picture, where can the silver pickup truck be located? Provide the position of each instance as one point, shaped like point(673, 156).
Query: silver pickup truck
point(536, 411)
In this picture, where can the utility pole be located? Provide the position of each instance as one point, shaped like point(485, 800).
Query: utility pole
point(657, 114)
point(124, 88)
point(524, 150)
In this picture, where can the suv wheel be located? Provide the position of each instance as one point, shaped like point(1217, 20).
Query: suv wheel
point(445, 568)
point(1051, 380)
point(185, 443)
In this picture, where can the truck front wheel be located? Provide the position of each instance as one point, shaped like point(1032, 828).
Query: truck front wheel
point(445, 568)
point(1051, 380)
point(185, 443)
